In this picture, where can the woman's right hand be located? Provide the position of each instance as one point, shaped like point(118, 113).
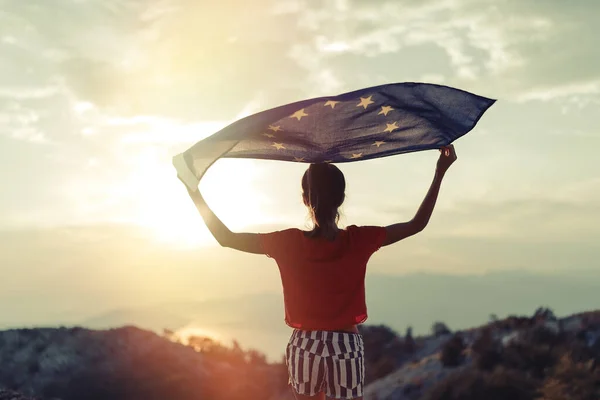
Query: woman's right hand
point(447, 158)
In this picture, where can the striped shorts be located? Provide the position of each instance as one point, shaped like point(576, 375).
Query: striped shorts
point(323, 361)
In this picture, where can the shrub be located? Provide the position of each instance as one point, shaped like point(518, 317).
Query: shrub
point(409, 342)
point(440, 329)
point(541, 335)
point(452, 352)
point(531, 359)
point(384, 350)
point(486, 351)
point(472, 384)
point(572, 380)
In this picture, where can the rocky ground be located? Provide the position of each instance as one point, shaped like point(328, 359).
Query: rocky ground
point(412, 380)
point(130, 363)
point(10, 395)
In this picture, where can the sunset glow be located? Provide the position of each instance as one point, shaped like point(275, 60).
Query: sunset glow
point(166, 209)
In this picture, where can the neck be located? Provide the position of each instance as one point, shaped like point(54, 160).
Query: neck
point(328, 231)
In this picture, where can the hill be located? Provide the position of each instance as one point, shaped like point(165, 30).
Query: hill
point(521, 357)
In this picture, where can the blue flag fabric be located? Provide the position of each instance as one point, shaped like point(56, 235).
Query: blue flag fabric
point(364, 124)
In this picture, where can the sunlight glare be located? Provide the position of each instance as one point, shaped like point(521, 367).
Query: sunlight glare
point(166, 209)
point(186, 332)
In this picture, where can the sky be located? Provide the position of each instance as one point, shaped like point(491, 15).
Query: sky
point(96, 97)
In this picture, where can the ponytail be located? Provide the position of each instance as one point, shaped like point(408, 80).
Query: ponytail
point(323, 187)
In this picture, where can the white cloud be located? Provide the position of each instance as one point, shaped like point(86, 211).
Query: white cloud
point(29, 93)
point(20, 123)
point(589, 88)
point(507, 47)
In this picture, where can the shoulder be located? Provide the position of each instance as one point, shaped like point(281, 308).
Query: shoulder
point(365, 229)
point(284, 232)
point(283, 235)
point(279, 242)
point(370, 237)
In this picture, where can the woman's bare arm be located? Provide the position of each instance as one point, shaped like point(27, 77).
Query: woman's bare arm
point(247, 242)
point(399, 231)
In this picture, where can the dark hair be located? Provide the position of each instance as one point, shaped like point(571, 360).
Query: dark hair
point(323, 190)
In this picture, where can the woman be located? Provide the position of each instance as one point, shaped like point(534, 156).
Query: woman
point(322, 273)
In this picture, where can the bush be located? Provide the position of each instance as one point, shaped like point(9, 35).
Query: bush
point(384, 350)
point(440, 329)
point(531, 359)
point(410, 346)
point(486, 351)
point(472, 384)
point(452, 352)
point(541, 335)
point(572, 380)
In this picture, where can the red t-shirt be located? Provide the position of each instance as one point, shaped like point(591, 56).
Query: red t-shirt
point(323, 281)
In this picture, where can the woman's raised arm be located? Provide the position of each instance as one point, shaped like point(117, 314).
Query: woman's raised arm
point(247, 242)
point(402, 230)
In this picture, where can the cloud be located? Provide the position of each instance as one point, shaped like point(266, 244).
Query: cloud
point(570, 217)
point(108, 82)
point(584, 89)
point(514, 49)
point(21, 123)
point(181, 59)
point(177, 59)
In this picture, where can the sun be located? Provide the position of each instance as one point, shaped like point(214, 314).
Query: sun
point(166, 209)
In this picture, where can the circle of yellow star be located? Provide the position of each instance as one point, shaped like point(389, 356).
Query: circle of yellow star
point(299, 159)
point(356, 155)
point(299, 114)
point(331, 103)
point(278, 146)
point(391, 127)
point(378, 143)
point(274, 128)
point(365, 101)
point(385, 110)
point(268, 135)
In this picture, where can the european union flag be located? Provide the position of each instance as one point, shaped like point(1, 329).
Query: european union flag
point(368, 123)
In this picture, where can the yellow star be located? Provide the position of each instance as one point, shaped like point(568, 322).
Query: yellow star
point(378, 143)
point(331, 103)
point(268, 135)
point(278, 146)
point(356, 155)
point(299, 159)
point(385, 110)
point(391, 127)
point(299, 114)
point(274, 128)
point(365, 101)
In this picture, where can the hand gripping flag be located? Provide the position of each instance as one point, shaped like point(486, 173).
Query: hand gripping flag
point(368, 123)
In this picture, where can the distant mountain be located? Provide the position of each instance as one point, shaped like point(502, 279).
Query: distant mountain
point(254, 310)
point(464, 301)
point(153, 318)
point(415, 300)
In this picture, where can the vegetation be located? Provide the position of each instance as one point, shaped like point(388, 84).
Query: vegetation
point(440, 329)
point(540, 362)
point(540, 365)
point(384, 350)
point(453, 352)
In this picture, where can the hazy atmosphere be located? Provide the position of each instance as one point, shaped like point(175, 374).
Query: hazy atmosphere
point(97, 96)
